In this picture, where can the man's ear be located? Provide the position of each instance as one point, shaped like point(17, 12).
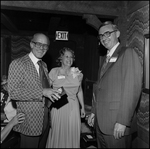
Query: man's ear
point(118, 33)
point(31, 45)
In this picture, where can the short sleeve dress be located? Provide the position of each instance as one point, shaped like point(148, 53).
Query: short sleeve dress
point(65, 121)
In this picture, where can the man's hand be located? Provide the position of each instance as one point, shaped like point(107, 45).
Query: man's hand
point(91, 119)
point(52, 94)
point(119, 130)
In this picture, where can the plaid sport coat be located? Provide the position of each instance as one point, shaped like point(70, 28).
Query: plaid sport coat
point(24, 85)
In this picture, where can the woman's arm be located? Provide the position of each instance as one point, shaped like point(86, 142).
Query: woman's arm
point(81, 101)
point(19, 118)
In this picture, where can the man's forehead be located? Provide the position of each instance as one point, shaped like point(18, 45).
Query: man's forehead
point(106, 27)
point(41, 38)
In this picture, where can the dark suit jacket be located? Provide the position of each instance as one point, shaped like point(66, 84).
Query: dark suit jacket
point(24, 85)
point(118, 90)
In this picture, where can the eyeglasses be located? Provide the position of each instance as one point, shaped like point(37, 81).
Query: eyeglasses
point(39, 45)
point(106, 34)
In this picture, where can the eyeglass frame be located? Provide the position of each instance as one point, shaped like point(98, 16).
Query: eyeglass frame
point(40, 44)
point(106, 34)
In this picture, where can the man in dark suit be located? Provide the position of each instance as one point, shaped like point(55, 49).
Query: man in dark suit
point(117, 91)
point(26, 87)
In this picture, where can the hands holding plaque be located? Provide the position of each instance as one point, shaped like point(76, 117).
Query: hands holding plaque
point(62, 101)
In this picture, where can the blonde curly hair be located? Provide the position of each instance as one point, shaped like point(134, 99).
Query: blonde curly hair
point(62, 52)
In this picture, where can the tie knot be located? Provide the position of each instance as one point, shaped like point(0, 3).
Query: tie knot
point(108, 52)
point(40, 62)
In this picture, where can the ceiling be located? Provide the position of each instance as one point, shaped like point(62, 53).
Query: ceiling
point(31, 21)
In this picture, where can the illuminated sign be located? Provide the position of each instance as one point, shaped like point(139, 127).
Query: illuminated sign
point(61, 35)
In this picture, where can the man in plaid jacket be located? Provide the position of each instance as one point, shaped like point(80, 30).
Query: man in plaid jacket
point(25, 86)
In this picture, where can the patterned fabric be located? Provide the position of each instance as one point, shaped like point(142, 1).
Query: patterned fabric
point(24, 85)
point(143, 112)
point(44, 80)
point(20, 46)
point(138, 25)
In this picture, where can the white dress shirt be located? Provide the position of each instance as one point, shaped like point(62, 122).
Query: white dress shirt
point(110, 52)
point(34, 60)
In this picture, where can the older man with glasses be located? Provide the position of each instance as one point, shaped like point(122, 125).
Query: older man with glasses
point(33, 94)
point(117, 91)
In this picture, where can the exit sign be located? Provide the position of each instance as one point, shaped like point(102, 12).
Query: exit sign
point(61, 35)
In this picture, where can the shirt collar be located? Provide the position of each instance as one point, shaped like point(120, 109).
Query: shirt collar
point(33, 58)
point(113, 50)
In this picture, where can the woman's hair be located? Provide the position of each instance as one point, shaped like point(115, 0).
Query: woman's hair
point(62, 52)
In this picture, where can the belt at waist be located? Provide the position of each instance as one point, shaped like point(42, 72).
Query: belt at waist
point(34, 100)
point(47, 101)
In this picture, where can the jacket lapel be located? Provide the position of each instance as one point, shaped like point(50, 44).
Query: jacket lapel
point(110, 64)
point(32, 71)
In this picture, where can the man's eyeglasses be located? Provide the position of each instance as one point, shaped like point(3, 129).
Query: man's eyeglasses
point(106, 34)
point(39, 45)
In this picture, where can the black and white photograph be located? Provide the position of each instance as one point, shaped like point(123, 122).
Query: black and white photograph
point(74, 74)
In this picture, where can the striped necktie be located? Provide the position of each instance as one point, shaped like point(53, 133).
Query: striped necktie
point(104, 65)
point(44, 80)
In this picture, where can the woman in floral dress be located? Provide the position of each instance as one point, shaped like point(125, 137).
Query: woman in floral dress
point(66, 120)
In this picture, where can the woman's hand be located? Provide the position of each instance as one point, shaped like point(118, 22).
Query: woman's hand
point(82, 113)
point(18, 119)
